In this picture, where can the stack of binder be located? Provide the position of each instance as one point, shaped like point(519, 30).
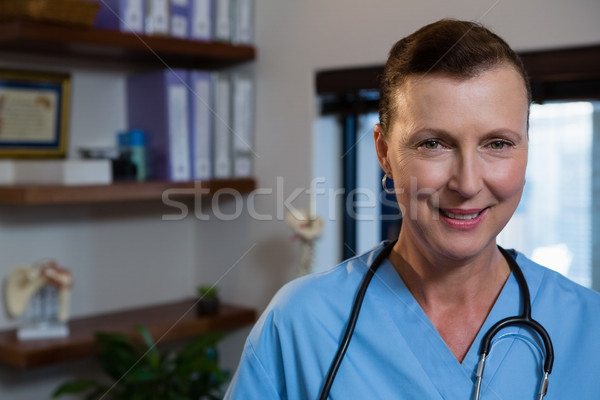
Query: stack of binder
point(199, 124)
point(206, 20)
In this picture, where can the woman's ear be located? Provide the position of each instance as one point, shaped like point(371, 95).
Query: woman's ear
point(382, 148)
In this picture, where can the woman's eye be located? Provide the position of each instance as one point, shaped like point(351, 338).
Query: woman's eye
point(498, 145)
point(431, 145)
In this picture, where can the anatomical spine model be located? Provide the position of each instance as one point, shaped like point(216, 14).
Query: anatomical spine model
point(42, 293)
point(307, 228)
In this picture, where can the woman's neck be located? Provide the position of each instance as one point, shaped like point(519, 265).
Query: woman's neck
point(429, 275)
point(456, 295)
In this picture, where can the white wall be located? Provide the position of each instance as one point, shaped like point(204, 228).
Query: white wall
point(125, 255)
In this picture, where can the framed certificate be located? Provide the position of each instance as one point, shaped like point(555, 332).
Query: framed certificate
point(34, 114)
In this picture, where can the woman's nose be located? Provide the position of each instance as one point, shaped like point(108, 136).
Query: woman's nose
point(466, 177)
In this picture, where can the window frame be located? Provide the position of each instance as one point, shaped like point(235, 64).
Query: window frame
point(556, 74)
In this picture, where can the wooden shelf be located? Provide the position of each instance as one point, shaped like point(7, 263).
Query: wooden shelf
point(100, 45)
point(174, 321)
point(117, 192)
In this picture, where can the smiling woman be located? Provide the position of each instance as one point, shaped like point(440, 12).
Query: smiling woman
point(463, 145)
point(452, 135)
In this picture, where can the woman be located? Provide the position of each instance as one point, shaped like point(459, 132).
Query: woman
point(453, 137)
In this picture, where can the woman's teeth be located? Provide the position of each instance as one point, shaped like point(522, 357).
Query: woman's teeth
point(460, 216)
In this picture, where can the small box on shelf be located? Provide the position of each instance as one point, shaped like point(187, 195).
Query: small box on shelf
point(52, 172)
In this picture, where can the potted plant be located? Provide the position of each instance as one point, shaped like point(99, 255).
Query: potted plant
point(208, 300)
point(137, 370)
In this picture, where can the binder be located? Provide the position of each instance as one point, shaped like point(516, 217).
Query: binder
point(243, 22)
point(180, 19)
point(201, 123)
point(121, 15)
point(157, 17)
point(243, 125)
point(201, 15)
point(158, 104)
point(222, 18)
point(222, 167)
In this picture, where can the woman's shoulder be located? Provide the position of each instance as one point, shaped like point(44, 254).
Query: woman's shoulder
point(336, 282)
point(318, 296)
point(553, 284)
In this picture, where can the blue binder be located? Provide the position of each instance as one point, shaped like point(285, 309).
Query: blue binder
point(158, 103)
point(121, 15)
point(180, 18)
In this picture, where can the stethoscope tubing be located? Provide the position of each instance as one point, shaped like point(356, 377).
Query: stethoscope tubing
point(524, 319)
point(360, 295)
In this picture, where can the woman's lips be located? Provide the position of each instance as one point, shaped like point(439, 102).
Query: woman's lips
point(462, 219)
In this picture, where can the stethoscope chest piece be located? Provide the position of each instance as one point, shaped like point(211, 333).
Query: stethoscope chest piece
point(524, 320)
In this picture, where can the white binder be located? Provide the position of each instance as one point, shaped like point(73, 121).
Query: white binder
point(243, 125)
point(177, 97)
point(243, 22)
point(222, 18)
point(222, 126)
point(157, 17)
point(201, 20)
point(201, 117)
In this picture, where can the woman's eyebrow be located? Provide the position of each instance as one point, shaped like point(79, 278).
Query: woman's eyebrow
point(430, 133)
point(505, 132)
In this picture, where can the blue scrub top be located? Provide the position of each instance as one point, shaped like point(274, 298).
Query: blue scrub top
point(396, 352)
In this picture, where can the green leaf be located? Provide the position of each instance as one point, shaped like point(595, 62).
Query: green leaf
point(98, 393)
point(198, 346)
point(143, 331)
point(118, 361)
point(141, 372)
point(141, 375)
point(152, 355)
point(74, 387)
point(207, 291)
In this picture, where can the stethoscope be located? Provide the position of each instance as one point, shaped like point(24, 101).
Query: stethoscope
point(524, 320)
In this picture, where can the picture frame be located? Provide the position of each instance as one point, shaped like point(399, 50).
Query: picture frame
point(34, 114)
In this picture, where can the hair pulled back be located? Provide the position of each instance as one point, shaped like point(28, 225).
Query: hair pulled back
point(459, 49)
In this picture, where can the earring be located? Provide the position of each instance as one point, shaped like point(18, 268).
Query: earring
point(384, 184)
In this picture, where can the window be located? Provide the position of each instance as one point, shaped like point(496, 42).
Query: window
point(558, 219)
point(552, 225)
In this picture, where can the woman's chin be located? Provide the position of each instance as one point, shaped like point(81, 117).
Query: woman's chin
point(462, 250)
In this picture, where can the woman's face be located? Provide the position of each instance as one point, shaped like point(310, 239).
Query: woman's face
point(457, 151)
